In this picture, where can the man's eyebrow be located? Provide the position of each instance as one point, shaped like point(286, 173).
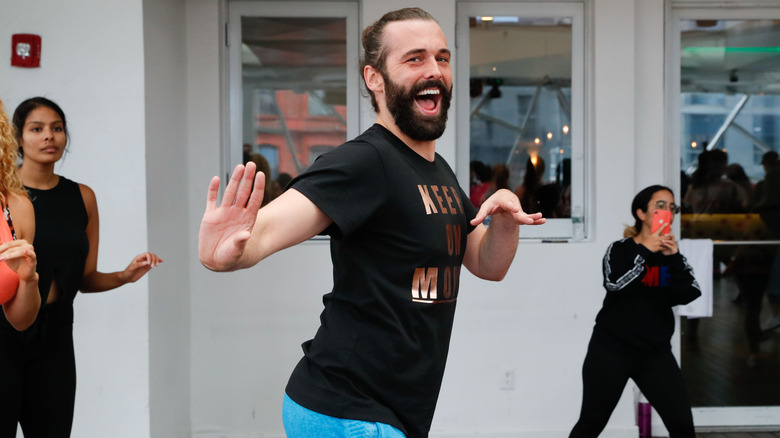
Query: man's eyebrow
point(418, 51)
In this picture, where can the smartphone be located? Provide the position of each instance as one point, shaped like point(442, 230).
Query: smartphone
point(662, 218)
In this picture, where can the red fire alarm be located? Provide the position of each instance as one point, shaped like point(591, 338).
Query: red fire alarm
point(25, 50)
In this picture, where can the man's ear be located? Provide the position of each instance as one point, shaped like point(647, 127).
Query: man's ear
point(374, 80)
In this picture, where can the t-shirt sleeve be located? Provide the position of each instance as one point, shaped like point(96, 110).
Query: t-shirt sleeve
point(469, 209)
point(348, 184)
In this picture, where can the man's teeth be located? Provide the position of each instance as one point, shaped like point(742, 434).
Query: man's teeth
point(427, 92)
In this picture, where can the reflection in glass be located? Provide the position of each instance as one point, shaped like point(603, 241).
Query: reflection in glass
point(729, 132)
point(520, 114)
point(294, 89)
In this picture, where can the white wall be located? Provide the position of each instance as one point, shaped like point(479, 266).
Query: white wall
point(92, 65)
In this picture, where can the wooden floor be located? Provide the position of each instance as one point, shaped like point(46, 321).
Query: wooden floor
point(718, 367)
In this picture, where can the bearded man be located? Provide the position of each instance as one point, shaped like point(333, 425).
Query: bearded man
point(400, 229)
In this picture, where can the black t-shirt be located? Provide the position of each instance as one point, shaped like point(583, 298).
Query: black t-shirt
point(398, 237)
point(642, 287)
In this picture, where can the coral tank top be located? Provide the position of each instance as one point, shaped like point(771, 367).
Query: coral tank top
point(9, 280)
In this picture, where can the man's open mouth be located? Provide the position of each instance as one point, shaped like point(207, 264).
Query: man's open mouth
point(428, 101)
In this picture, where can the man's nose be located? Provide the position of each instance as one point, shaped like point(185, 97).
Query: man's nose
point(432, 69)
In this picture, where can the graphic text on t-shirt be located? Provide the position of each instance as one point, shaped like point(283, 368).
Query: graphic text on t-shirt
point(425, 280)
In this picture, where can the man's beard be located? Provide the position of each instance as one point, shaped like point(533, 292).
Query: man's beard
point(401, 105)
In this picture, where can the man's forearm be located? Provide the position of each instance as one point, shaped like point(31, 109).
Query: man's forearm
point(498, 247)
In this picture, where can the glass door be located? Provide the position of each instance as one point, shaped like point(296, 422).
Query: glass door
point(727, 132)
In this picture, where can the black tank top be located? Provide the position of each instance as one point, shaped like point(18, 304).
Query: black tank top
point(61, 242)
point(61, 246)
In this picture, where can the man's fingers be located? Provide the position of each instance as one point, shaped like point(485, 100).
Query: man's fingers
point(514, 209)
point(256, 198)
point(524, 219)
point(230, 191)
point(246, 186)
point(534, 219)
point(211, 195)
point(484, 211)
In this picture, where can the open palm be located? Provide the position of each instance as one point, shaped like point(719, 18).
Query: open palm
point(225, 229)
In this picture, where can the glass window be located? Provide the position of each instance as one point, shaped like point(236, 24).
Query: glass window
point(290, 64)
point(730, 185)
point(524, 64)
point(271, 153)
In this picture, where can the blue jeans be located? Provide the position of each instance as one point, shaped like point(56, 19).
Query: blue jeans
point(300, 422)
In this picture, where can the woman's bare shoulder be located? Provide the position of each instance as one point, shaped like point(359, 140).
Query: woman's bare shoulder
point(22, 214)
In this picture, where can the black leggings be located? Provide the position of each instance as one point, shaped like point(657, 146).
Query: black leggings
point(38, 387)
point(604, 376)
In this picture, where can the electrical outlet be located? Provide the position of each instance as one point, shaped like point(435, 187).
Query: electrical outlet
point(507, 382)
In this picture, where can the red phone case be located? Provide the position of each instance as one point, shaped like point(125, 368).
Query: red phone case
point(661, 218)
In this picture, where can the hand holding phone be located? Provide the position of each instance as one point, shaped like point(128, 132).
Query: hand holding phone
point(661, 218)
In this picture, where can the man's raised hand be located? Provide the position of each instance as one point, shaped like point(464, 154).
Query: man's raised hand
point(226, 228)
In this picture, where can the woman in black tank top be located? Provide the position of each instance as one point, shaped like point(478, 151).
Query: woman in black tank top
point(66, 243)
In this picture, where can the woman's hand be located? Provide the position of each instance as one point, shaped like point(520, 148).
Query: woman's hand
point(141, 264)
point(668, 244)
point(661, 242)
point(20, 256)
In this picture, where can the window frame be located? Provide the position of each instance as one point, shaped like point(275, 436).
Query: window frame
point(574, 229)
